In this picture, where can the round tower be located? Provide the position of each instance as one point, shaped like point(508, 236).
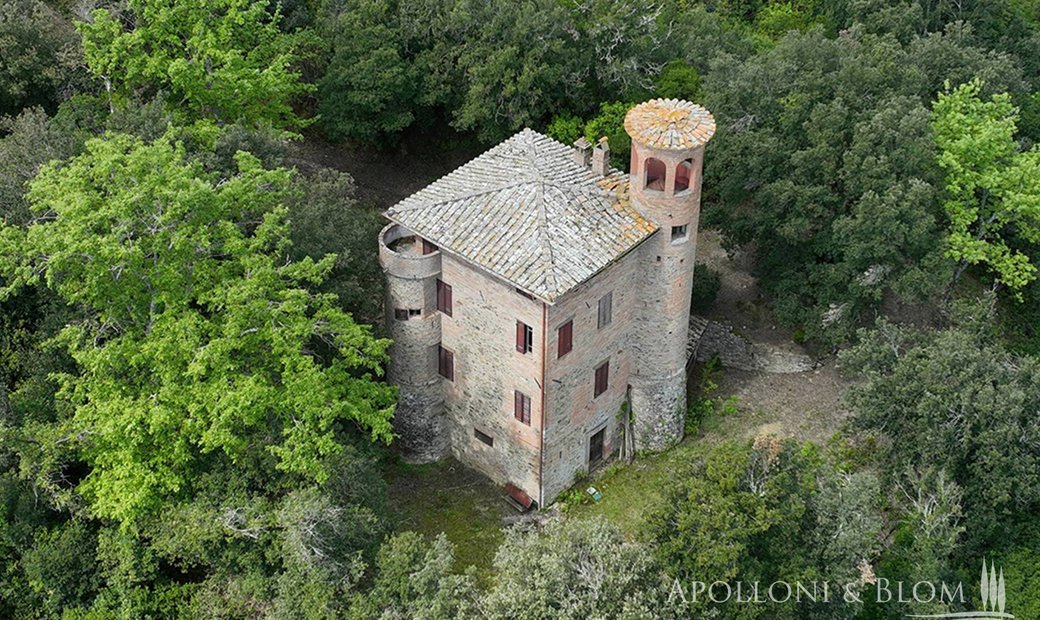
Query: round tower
point(668, 138)
point(412, 267)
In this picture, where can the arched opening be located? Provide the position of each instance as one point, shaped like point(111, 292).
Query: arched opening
point(655, 171)
point(683, 174)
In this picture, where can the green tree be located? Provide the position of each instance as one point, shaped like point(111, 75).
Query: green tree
point(992, 187)
point(325, 218)
point(224, 60)
point(38, 54)
point(955, 401)
point(831, 171)
point(415, 579)
point(573, 570)
point(765, 512)
point(369, 89)
point(610, 122)
point(201, 337)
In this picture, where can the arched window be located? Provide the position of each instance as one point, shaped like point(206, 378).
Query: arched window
point(683, 173)
point(655, 171)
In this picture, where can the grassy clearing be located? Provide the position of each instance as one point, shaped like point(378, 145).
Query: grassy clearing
point(451, 498)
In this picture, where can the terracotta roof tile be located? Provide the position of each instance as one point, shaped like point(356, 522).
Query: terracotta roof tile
point(670, 124)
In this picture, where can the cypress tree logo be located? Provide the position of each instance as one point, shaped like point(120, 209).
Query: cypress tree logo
point(994, 598)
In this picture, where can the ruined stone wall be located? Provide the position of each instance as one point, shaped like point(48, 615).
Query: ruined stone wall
point(482, 335)
point(574, 414)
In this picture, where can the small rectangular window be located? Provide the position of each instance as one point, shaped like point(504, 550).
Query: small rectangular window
point(524, 337)
point(444, 297)
point(565, 339)
point(446, 363)
point(428, 248)
point(401, 314)
point(678, 232)
point(414, 311)
point(522, 407)
point(605, 310)
point(602, 378)
point(484, 437)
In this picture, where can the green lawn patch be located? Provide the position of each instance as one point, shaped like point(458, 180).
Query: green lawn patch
point(451, 498)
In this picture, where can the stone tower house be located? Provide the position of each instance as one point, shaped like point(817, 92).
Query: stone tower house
point(535, 290)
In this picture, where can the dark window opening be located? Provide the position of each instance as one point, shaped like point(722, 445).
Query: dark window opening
point(446, 363)
point(524, 338)
point(428, 248)
point(602, 378)
point(484, 437)
point(678, 232)
point(444, 297)
point(683, 174)
point(596, 446)
point(565, 339)
point(414, 311)
point(655, 172)
point(401, 314)
point(605, 310)
point(522, 407)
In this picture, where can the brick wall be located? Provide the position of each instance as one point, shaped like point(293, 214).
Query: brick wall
point(574, 414)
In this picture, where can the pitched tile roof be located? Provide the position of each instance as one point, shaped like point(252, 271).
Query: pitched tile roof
point(670, 124)
point(528, 212)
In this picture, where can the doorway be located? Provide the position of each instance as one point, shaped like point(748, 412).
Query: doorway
point(596, 446)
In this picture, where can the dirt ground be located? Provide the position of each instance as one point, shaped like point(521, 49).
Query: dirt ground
point(807, 406)
point(383, 177)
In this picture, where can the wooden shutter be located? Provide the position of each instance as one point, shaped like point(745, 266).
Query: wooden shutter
point(427, 247)
point(446, 363)
point(522, 407)
point(605, 309)
point(444, 297)
point(602, 378)
point(566, 338)
point(521, 337)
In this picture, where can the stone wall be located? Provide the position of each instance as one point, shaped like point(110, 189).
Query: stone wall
point(419, 419)
point(481, 333)
point(666, 278)
point(574, 413)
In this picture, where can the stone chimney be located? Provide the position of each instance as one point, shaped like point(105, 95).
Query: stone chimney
point(583, 152)
point(601, 157)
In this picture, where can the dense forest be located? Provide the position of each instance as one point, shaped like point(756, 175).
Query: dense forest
point(193, 417)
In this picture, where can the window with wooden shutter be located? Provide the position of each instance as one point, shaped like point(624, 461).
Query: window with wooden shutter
point(444, 297)
point(484, 437)
point(605, 310)
point(446, 363)
point(602, 378)
point(522, 407)
point(524, 337)
point(565, 338)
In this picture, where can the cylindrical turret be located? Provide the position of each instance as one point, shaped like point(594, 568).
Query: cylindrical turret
point(668, 138)
point(412, 266)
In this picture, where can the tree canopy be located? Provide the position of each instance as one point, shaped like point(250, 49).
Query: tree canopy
point(200, 336)
point(225, 60)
